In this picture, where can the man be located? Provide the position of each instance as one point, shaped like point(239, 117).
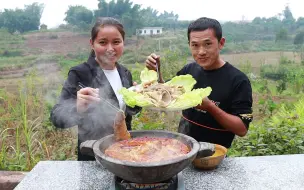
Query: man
point(228, 110)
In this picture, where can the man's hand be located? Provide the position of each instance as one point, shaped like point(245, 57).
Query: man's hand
point(206, 104)
point(228, 121)
point(152, 60)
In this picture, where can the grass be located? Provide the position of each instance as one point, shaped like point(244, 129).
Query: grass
point(8, 63)
point(26, 134)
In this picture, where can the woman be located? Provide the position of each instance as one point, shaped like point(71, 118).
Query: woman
point(90, 97)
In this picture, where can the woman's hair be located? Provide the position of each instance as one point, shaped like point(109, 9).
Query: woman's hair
point(105, 21)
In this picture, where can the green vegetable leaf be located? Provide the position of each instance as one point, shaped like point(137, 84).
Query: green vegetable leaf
point(187, 81)
point(148, 75)
point(190, 99)
point(133, 99)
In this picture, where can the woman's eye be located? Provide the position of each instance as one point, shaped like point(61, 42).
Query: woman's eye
point(117, 42)
point(102, 42)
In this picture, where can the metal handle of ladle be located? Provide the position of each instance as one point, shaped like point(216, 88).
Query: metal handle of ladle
point(157, 70)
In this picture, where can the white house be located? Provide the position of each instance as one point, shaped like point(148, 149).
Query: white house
point(149, 31)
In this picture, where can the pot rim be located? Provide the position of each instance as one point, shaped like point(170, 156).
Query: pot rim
point(194, 150)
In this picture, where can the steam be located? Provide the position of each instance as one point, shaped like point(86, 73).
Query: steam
point(107, 58)
point(95, 123)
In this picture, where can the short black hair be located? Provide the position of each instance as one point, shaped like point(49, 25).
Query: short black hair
point(205, 23)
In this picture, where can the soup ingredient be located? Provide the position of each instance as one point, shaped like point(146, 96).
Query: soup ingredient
point(147, 149)
point(217, 153)
point(120, 128)
point(161, 95)
point(176, 94)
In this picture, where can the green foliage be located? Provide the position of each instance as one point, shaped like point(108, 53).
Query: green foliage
point(299, 43)
point(273, 72)
point(281, 35)
point(281, 134)
point(156, 120)
point(25, 132)
point(171, 63)
point(136, 70)
point(79, 16)
point(299, 38)
point(22, 20)
point(16, 62)
point(245, 67)
point(10, 53)
point(281, 86)
point(66, 64)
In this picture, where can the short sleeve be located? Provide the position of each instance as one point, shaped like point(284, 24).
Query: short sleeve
point(241, 105)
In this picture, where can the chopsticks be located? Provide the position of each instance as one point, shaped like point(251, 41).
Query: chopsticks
point(109, 104)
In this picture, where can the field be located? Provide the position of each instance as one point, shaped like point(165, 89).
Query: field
point(34, 66)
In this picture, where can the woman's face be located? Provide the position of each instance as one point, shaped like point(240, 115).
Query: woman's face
point(108, 46)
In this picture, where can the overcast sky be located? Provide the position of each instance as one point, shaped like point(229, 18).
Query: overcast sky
point(222, 10)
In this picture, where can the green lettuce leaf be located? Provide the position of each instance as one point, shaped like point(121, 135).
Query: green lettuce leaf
point(187, 81)
point(133, 99)
point(190, 99)
point(148, 75)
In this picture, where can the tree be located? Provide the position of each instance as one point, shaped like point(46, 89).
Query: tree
point(288, 19)
point(300, 22)
point(298, 42)
point(149, 17)
point(123, 10)
point(22, 20)
point(281, 35)
point(79, 16)
point(33, 14)
point(1, 20)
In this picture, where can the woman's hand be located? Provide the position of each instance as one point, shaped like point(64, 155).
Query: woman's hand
point(85, 97)
point(152, 60)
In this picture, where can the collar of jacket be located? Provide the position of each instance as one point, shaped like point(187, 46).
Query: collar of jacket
point(123, 72)
point(100, 79)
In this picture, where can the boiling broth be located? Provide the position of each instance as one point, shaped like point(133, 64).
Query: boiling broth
point(147, 149)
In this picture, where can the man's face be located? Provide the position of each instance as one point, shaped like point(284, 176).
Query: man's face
point(205, 48)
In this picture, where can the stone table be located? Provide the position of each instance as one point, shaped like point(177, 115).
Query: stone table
point(260, 172)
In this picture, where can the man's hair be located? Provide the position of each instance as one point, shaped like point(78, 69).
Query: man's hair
point(205, 23)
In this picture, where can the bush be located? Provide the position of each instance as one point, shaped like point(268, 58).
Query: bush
point(53, 36)
point(11, 53)
point(282, 134)
point(273, 72)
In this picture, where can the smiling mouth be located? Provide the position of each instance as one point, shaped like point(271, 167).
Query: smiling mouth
point(110, 56)
point(110, 53)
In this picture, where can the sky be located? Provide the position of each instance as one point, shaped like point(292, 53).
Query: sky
point(222, 10)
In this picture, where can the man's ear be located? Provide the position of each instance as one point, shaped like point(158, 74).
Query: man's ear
point(222, 43)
